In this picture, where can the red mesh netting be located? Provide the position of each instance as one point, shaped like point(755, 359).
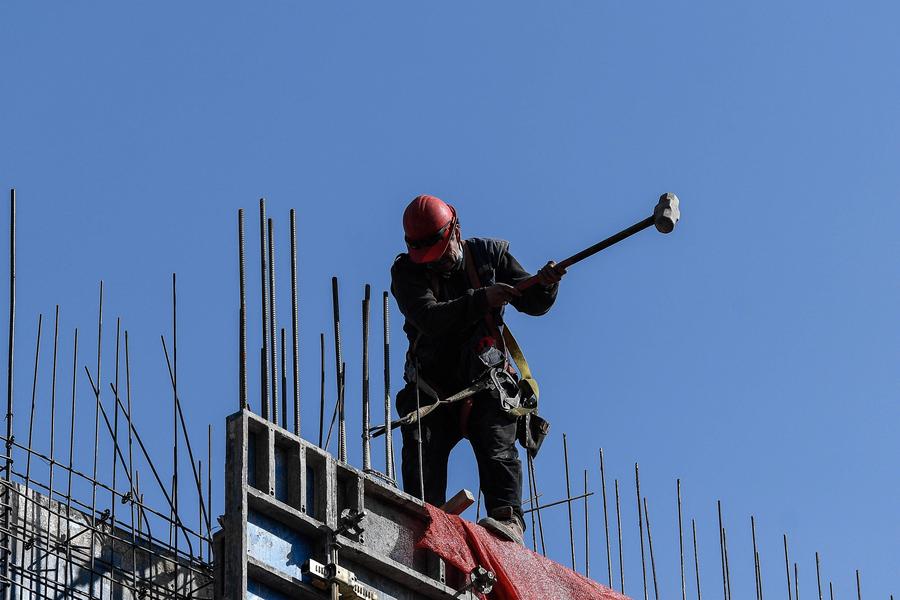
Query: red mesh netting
point(521, 574)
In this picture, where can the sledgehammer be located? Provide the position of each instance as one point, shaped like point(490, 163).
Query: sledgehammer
point(665, 216)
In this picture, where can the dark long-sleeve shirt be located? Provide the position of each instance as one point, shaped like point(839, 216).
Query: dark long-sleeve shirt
point(442, 324)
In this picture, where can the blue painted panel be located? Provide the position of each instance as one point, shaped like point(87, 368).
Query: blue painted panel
point(258, 591)
point(276, 545)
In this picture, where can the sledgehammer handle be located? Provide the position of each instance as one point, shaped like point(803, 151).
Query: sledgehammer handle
point(565, 264)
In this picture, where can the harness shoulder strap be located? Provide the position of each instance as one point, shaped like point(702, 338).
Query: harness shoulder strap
point(506, 340)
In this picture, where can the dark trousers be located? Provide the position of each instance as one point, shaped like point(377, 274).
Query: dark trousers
point(492, 434)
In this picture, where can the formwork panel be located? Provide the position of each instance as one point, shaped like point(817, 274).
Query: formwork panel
point(307, 505)
point(276, 545)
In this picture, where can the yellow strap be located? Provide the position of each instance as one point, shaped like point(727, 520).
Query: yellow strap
point(519, 358)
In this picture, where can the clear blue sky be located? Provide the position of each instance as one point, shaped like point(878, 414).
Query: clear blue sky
point(753, 353)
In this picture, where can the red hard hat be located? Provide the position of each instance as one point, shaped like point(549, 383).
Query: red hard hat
point(428, 225)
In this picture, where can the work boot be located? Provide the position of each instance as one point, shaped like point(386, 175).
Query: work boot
point(505, 523)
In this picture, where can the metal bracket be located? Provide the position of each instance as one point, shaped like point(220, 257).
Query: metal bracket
point(481, 580)
point(351, 522)
point(323, 576)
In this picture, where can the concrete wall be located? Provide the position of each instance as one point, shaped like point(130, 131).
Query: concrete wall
point(284, 502)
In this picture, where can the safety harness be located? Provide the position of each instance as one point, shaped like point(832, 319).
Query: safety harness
point(518, 397)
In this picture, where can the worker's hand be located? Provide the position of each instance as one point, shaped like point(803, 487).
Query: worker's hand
point(550, 274)
point(500, 294)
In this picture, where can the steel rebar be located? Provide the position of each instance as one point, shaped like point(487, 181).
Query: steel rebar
point(115, 434)
point(727, 566)
point(284, 411)
point(295, 322)
point(755, 558)
point(273, 321)
point(263, 270)
point(696, 560)
point(569, 502)
point(322, 390)
point(587, 530)
point(680, 539)
point(4, 535)
point(722, 551)
point(818, 577)
point(37, 351)
point(537, 510)
point(367, 459)
point(637, 485)
point(605, 521)
point(650, 544)
point(388, 435)
point(242, 319)
point(419, 460)
point(619, 535)
point(787, 567)
point(96, 429)
point(532, 500)
point(180, 419)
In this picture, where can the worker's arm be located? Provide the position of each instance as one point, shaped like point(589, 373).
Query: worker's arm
point(418, 304)
point(537, 299)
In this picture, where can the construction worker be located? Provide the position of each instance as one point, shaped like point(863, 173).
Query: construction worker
point(452, 293)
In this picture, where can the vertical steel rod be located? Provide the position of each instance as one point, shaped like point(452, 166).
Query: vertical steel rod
point(637, 485)
point(284, 411)
point(209, 489)
point(175, 513)
point(388, 434)
point(242, 349)
point(200, 511)
point(133, 490)
point(680, 539)
point(342, 420)
point(96, 434)
point(796, 583)
point(619, 535)
point(367, 459)
point(858, 587)
point(818, 577)
point(696, 560)
point(532, 500)
point(537, 508)
point(263, 269)
point(53, 439)
point(71, 462)
point(605, 521)
point(787, 568)
point(5, 559)
point(569, 502)
point(830, 590)
point(338, 355)
point(37, 351)
point(420, 460)
point(273, 323)
point(322, 390)
point(755, 557)
point(295, 322)
point(115, 435)
point(650, 543)
point(587, 530)
point(722, 551)
point(727, 566)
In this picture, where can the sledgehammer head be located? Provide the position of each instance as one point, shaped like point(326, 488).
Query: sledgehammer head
point(666, 213)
